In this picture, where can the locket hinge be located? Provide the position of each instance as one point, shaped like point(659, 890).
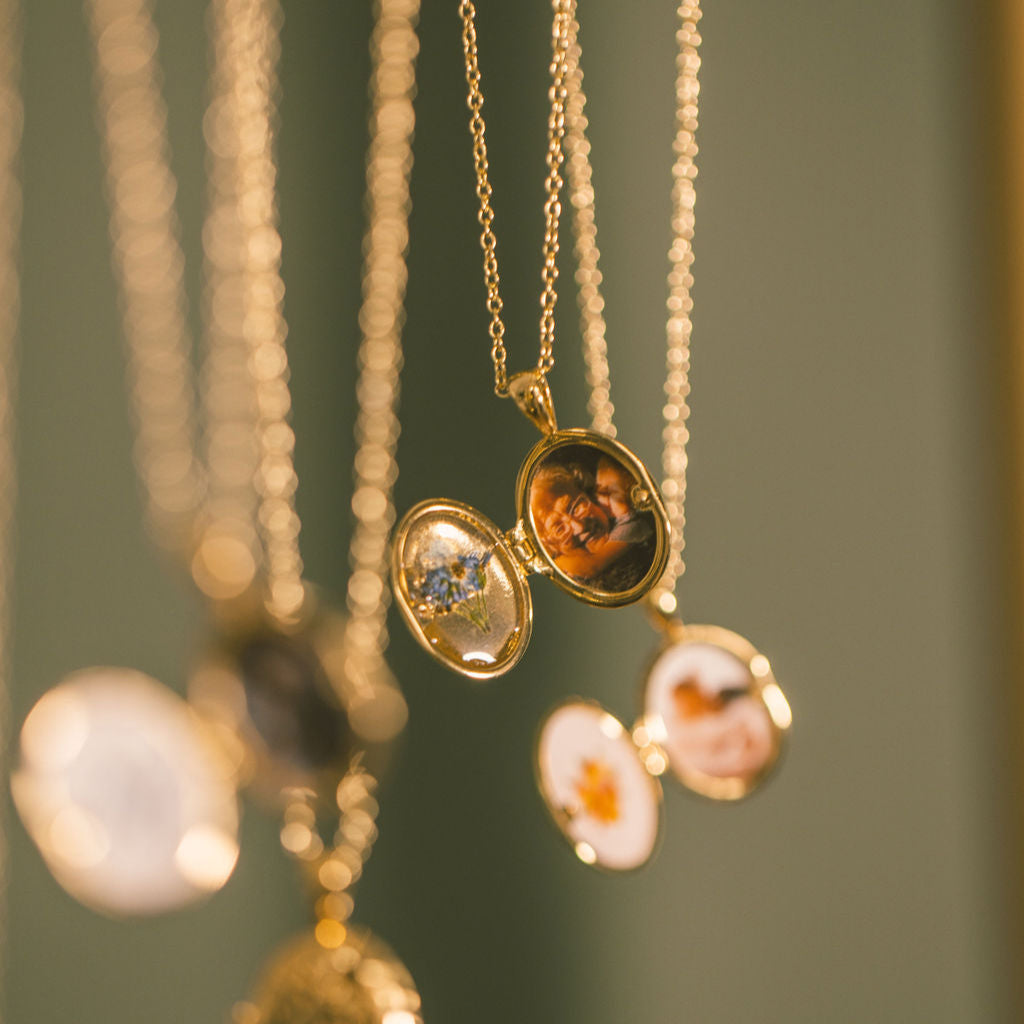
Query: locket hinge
point(521, 546)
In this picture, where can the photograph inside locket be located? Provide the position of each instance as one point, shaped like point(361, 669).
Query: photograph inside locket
point(584, 515)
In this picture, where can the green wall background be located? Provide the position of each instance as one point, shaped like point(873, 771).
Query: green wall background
point(841, 514)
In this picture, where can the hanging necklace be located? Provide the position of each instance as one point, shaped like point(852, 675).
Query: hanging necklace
point(340, 972)
point(712, 711)
point(300, 697)
point(590, 516)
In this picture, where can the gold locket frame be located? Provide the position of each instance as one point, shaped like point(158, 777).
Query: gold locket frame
point(763, 687)
point(630, 550)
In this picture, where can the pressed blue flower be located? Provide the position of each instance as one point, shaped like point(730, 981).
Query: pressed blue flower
point(456, 584)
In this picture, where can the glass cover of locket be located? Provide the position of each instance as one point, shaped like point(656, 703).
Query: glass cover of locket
point(460, 588)
point(594, 517)
point(712, 704)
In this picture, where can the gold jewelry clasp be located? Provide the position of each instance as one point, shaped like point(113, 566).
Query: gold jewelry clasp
point(531, 393)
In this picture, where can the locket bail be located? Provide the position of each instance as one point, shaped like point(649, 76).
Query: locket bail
point(531, 393)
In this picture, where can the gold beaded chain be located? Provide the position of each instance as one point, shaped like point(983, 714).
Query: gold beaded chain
point(564, 12)
point(584, 228)
point(148, 265)
point(679, 326)
point(209, 512)
point(245, 392)
point(247, 403)
point(11, 118)
point(394, 46)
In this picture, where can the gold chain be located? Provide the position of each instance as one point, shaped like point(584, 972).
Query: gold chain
point(245, 375)
point(394, 47)
point(211, 513)
point(679, 326)
point(393, 50)
point(333, 869)
point(588, 274)
point(564, 12)
point(11, 118)
point(148, 265)
point(242, 248)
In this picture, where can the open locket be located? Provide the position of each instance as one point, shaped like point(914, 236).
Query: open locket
point(589, 517)
point(712, 714)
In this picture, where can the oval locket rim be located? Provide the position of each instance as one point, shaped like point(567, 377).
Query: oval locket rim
point(562, 821)
point(625, 456)
point(517, 575)
point(729, 789)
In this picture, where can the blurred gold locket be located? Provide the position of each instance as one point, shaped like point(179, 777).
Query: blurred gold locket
point(360, 981)
point(589, 517)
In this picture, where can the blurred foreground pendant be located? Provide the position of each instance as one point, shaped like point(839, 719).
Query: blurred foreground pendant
point(589, 515)
point(131, 806)
point(712, 713)
point(358, 980)
point(129, 791)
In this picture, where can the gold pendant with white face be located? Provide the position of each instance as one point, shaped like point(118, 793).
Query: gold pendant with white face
point(711, 703)
point(712, 714)
point(589, 517)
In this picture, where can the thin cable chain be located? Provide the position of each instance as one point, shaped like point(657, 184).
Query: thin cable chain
point(679, 326)
point(393, 47)
point(243, 252)
point(11, 120)
point(564, 12)
point(584, 227)
point(148, 264)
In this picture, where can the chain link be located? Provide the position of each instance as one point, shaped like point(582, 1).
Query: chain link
point(564, 12)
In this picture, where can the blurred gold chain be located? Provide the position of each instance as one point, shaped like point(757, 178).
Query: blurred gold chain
point(679, 326)
point(393, 49)
point(11, 119)
point(214, 514)
point(148, 264)
point(245, 293)
point(334, 868)
point(584, 228)
point(245, 375)
point(564, 12)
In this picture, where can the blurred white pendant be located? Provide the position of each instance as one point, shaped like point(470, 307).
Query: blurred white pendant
point(134, 811)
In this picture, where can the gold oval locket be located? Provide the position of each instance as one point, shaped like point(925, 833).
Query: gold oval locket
point(589, 517)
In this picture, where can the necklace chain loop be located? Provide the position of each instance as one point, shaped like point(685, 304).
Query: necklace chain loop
point(564, 13)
